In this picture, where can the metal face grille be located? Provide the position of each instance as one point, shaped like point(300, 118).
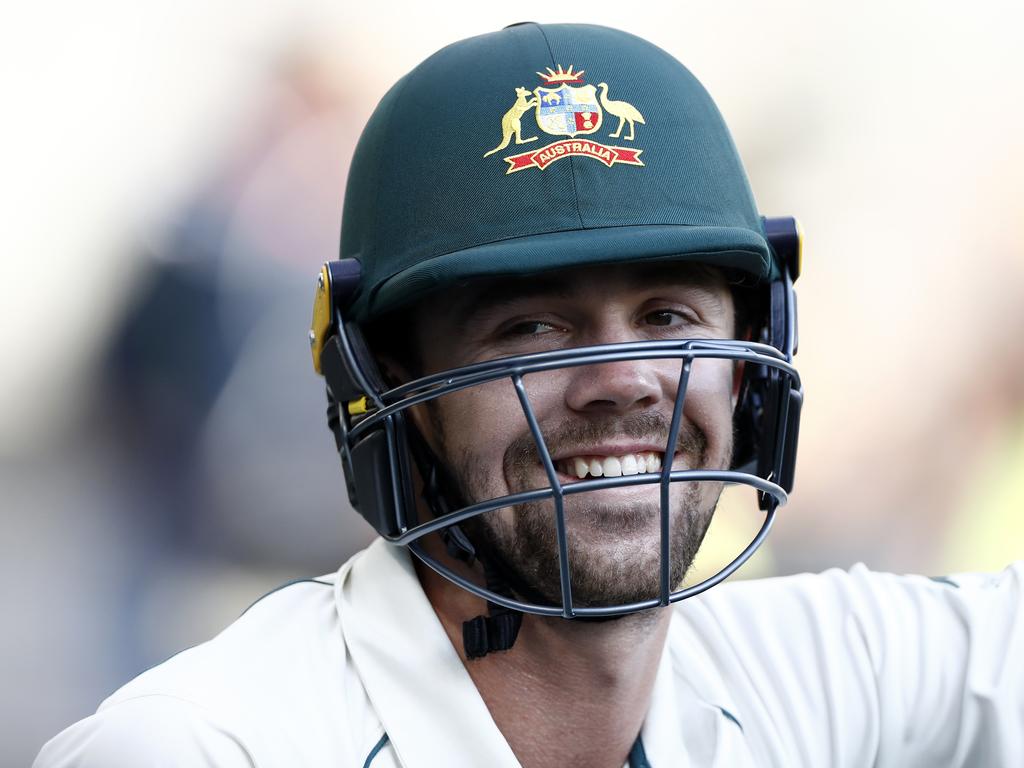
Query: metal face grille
point(782, 379)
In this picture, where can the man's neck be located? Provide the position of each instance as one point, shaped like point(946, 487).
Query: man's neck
point(568, 692)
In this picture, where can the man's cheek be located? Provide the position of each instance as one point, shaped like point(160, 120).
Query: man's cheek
point(476, 436)
point(710, 385)
point(709, 401)
point(479, 416)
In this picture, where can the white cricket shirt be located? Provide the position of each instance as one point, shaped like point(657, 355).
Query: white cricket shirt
point(840, 669)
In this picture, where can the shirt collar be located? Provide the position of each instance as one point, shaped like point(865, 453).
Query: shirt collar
point(661, 733)
point(428, 704)
point(423, 695)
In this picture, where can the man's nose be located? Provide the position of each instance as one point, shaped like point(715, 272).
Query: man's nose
point(619, 387)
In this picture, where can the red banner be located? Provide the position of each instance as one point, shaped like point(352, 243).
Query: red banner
point(542, 158)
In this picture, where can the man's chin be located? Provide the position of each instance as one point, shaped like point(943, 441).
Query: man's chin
point(613, 556)
point(620, 514)
point(613, 538)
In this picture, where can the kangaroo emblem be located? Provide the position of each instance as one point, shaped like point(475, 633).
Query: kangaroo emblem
point(511, 124)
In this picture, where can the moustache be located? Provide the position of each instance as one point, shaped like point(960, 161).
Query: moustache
point(564, 436)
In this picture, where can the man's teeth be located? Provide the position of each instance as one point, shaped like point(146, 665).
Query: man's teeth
point(611, 466)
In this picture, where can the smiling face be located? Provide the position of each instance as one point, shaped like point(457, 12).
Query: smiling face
point(606, 420)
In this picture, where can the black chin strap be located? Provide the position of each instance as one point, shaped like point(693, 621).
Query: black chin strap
point(498, 630)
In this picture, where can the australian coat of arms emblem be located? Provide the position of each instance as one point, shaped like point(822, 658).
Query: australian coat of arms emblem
point(563, 106)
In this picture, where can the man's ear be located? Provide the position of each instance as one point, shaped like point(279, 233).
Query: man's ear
point(392, 371)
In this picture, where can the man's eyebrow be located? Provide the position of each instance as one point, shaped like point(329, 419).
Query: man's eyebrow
point(500, 294)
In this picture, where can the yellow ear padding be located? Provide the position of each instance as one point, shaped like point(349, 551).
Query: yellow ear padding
point(321, 317)
point(358, 407)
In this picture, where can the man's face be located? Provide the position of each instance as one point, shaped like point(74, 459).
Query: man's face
point(606, 419)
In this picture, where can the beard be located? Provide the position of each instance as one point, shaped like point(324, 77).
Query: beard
point(614, 545)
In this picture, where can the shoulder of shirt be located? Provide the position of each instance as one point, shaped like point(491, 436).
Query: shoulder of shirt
point(283, 639)
point(816, 609)
point(859, 581)
point(752, 648)
point(146, 730)
point(278, 678)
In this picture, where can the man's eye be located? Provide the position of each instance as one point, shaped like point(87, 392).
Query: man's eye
point(528, 328)
point(665, 317)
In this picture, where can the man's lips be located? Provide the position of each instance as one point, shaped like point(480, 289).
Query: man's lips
point(609, 460)
point(616, 465)
point(610, 449)
point(610, 466)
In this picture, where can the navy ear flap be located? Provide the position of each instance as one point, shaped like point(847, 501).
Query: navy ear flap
point(337, 371)
point(375, 462)
point(362, 366)
point(367, 461)
point(383, 497)
point(788, 474)
point(785, 236)
point(768, 412)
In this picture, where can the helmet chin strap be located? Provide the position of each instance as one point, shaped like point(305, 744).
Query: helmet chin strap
point(499, 628)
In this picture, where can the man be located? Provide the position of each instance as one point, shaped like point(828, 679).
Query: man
point(556, 329)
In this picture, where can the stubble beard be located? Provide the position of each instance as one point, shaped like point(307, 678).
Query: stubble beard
point(614, 547)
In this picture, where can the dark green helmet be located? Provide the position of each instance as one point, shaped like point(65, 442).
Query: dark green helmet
point(540, 147)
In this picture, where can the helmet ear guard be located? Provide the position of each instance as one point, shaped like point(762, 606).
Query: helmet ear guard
point(785, 237)
point(767, 397)
point(354, 384)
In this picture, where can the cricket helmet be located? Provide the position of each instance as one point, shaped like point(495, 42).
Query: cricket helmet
point(531, 149)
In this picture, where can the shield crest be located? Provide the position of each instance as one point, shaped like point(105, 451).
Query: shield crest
point(567, 110)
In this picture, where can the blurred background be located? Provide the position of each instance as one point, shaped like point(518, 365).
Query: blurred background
point(172, 177)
